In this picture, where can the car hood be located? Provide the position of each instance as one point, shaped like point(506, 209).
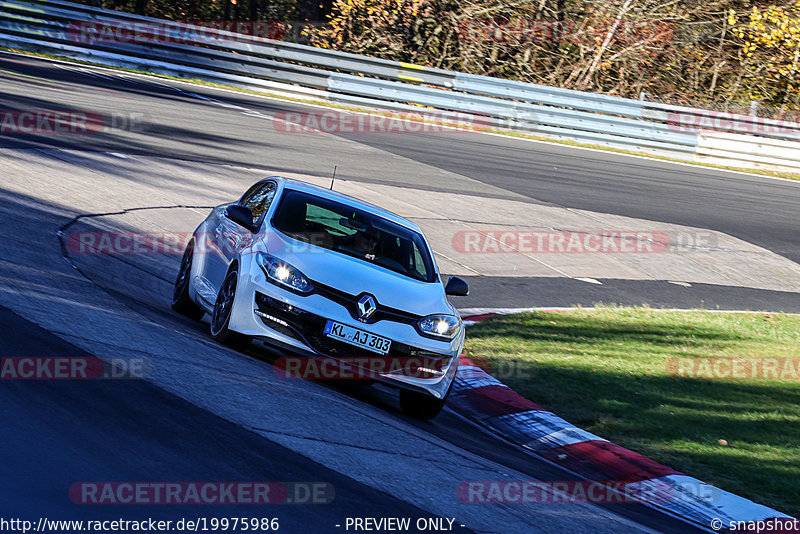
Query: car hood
point(355, 276)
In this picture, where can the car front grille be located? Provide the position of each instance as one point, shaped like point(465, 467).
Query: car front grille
point(309, 328)
point(350, 303)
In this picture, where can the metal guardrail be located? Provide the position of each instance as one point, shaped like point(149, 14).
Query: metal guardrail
point(739, 150)
point(59, 27)
point(240, 43)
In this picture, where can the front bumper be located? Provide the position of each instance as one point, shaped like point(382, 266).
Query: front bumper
point(297, 323)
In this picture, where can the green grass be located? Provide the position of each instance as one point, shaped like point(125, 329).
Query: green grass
point(197, 81)
point(605, 370)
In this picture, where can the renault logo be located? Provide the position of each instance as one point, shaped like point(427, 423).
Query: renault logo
point(366, 306)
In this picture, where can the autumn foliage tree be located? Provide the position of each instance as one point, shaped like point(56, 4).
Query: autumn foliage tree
point(769, 40)
point(723, 53)
point(206, 10)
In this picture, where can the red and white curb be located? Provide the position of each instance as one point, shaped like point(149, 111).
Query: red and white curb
point(498, 408)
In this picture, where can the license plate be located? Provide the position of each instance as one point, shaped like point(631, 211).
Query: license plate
point(357, 337)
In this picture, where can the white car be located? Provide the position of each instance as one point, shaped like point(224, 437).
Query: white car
point(328, 277)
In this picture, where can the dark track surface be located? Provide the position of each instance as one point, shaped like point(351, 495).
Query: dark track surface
point(56, 433)
point(755, 209)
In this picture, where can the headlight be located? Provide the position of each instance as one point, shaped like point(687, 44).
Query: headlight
point(439, 326)
point(282, 274)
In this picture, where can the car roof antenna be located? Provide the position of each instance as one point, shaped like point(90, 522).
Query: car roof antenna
point(333, 177)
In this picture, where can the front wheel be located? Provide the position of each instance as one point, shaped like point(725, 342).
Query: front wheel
point(221, 317)
point(421, 405)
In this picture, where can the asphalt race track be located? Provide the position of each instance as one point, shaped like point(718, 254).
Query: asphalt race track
point(207, 413)
point(181, 122)
point(109, 442)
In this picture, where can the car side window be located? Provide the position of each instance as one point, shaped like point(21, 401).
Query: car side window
point(259, 200)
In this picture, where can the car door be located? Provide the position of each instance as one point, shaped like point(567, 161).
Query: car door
point(230, 239)
point(214, 261)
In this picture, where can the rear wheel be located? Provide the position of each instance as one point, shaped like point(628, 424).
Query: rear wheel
point(181, 302)
point(421, 405)
point(221, 317)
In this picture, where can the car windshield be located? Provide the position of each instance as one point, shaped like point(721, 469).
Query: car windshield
point(336, 226)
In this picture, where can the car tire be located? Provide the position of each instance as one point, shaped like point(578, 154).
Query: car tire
point(223, 307)
point(181, 302)
point(422, 405)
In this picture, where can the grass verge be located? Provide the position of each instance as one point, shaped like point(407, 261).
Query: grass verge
point(608, 371)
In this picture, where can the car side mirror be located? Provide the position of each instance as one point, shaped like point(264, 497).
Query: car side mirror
point(241, 215)
point(456, 287)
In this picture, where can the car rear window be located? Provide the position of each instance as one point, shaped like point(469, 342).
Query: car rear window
point(336, 226)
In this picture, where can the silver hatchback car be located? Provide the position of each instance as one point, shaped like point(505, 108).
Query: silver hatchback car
point(330, 279)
